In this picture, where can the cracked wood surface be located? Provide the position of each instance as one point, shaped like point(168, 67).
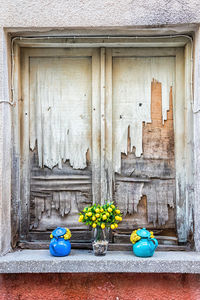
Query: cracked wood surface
point(156, 165)
point(136, 92)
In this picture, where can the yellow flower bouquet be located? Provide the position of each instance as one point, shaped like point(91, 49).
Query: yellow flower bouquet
point(107, 215)
point(101, 218)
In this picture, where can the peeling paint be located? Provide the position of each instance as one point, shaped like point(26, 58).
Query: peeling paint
point(60, 124)
point(132, 79)
point(128, 196)
point(160, 196)
point(60, 110)
point(61, 201)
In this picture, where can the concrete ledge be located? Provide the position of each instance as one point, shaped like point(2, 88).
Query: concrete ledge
point(81, 261)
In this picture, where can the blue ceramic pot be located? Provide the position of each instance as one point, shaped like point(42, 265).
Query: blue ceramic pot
point(58, 245)
point(146, 246)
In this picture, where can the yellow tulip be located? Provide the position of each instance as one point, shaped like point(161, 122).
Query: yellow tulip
point(112, 206)
point(116, 225)
point(112, 226)
point(120, 219)
point(109, 209)
point(51, 235)
point(97, 210)
point(117, 218)
point(101, 210)
point(89, 214)
point(94, 225)
point(118, 211)
point(93, 218)
point(97, 215)
point(107, 214)
point(104, 217)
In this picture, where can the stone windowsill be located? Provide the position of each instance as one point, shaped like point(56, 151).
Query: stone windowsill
point(40, 261)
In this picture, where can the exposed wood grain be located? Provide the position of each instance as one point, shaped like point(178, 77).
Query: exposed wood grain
point(111, 247)
point(24, 141)
point(143, 52)
point(146, 168)
point(154, 172)
point(162, 240)
point(103, 132)
point(96, 129)
point(179, 129)
point(58, 192)
point(197, 141)
point(128, 195)
point(145, 187)
point(60, 114)
point(71, 42)
point(15, 175)
point(84, 235)
point(189, 144)
point(109, 127)
point(132, 78)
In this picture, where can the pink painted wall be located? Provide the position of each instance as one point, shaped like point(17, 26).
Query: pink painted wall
point(99, 286)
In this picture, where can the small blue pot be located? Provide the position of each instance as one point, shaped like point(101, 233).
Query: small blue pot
point(58, 245)
point(146, 246)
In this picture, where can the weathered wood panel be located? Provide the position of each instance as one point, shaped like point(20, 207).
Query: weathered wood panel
point(197, 141)
point(58, 195)
point(24, 147)
point(147, 183)
point(15, 175)
point(189, 144)
point(179, 126)
point(60, 110)
point(111, 247)
point(96, 128)
point(132, 79)
point(63, 142)
point(107, 115)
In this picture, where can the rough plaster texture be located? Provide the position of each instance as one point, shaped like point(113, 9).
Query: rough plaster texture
point(82, 261)
point(5, 146)
point(78, 13)
point(99, 286)
point(197, 141)
point(48, 15)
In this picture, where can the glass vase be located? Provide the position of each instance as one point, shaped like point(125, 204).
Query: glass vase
point(100, 242)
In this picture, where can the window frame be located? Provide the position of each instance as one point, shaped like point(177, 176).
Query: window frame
point(185, 158)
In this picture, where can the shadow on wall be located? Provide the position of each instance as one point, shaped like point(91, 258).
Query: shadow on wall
point(95, 286)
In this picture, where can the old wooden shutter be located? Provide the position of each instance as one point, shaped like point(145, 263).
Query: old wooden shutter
point(61, 134)
point(98, 124)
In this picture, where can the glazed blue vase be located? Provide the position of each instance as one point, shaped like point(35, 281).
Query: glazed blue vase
point(146, 246)
point(58, 245)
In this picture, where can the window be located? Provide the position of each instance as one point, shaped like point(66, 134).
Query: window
point(102, 122)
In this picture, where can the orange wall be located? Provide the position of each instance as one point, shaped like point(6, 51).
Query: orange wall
point(99, 286)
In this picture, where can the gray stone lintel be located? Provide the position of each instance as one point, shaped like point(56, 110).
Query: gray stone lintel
point(84, 261)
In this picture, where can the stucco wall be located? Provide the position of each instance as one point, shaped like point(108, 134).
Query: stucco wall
point(62, 13)
point(99, 286)
point(128, 16)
